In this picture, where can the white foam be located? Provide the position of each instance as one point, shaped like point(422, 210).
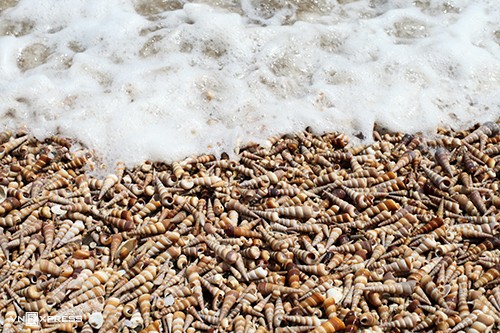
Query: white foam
point(162, 80)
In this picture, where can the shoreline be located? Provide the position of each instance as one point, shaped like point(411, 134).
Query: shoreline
point(309, 233)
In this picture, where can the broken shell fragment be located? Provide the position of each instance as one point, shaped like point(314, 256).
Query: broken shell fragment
point(96, 320)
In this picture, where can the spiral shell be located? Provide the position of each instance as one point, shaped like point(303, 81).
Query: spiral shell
point(409, 321)
point(147, 275)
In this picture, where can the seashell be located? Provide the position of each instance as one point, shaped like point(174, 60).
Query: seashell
point(400, 289)
point(489, 275)
point(465, 204)
point(165, 196)
point(158, 227)
point(153, 327)
point(351, 248)
point(229, 300)
point(31, 292)
point(32, 246)
point(478, 201)
point(144, 289)
point(3, 193)
point(232, 231)
point(111, 313)
point(121, 224)
point(179, 305)
point(487, 129)
point(144, 304)
point(476, 321)
point(305, 256)
point(83, 263)
point(60, 141)
point(279, 310)
point(401, 265)
point(96, 320)
point(431, 289)
point(252, 252)
point(87, 328)
point(146, 275)
point(267, 288)
point(315, 300)
point(442, 156)
point(258, 273)
point(110, 181)
point(303, 320)
point(126, 248)
point(8, 146)
point(239, 324)
point(408, 322)
point(351, 322)
point(178, 322)
point(274, 243)
point(58, 181)
point(9, 204)
point(195, 284)
point(440, 182)
point(443, 249)
point(76, 228)
point(264, 180)
point(481, 303)
point(48, 267)
point(89, 294)
point(129, 309)
point(212, 181)
point(5, 136)
point(360, 199)
point(224, 252)
point(360, 281)
point(136, 320)
point(368, 319)
point(428, 244)
point(36, 306)
point(319, 269)
point(57, 209)
point(480, 155)
point(344, 206)
point(405, 159)
point(235, 205)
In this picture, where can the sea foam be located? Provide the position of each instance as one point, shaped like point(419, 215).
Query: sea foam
point(163, 80)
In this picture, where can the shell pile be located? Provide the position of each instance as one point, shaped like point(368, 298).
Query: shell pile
point(309, 235)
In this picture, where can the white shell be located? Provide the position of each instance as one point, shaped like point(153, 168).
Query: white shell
point(336, 293)
point(56, 209)
point(136, 320)
point(96, 320)
point(218, 278)
point(258, 273)
point(168, 300)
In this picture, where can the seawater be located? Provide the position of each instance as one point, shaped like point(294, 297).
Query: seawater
point(165, 79)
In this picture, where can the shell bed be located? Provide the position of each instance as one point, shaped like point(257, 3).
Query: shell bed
point(310, 235)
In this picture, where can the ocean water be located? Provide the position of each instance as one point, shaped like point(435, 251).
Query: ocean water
point(165, 79)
